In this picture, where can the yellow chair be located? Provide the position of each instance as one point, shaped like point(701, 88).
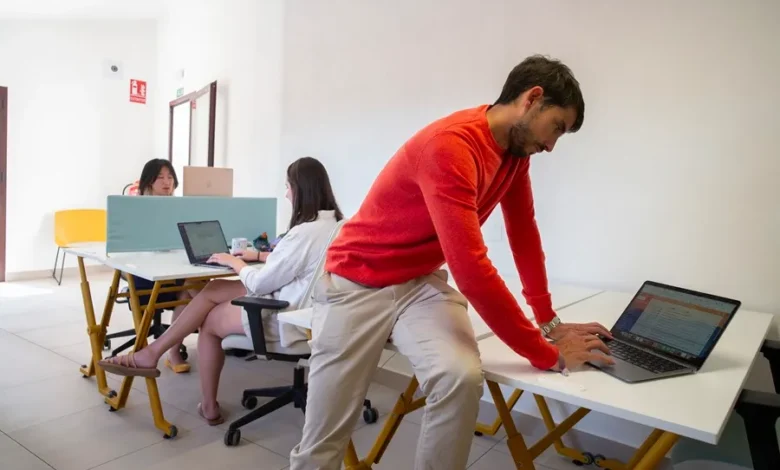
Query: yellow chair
point(76, 226)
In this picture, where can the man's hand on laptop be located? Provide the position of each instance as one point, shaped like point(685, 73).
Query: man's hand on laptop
point(579, 343)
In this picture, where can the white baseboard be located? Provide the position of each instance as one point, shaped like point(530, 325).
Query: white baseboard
point(67, 273)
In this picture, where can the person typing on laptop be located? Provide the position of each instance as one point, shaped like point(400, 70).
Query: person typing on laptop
point(385, 281)
point(286, 275)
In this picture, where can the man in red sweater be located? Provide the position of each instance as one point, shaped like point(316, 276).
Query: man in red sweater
point(383, 280)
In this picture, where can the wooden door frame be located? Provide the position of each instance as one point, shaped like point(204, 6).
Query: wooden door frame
point(3, 176)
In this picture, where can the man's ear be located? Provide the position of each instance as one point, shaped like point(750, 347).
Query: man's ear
point(534, 95)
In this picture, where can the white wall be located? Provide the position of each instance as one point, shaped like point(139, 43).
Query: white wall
point(239, 44)
point(73, 135)
point(673, 176)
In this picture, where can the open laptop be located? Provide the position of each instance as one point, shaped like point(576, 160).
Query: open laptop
point(207, 181)
point(666, 331)
point(203, 239)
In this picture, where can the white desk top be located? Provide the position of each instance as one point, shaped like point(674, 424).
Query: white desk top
point(695, 406)
point(153, 266)
point(161, 266)
point(92, 251)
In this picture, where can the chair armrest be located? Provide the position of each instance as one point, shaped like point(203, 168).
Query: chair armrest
point(255, 304)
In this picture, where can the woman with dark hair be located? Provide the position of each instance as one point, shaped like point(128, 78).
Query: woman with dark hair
point(158, 178)
point(288, 271)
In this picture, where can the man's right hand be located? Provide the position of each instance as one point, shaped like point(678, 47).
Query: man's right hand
point(577, 349)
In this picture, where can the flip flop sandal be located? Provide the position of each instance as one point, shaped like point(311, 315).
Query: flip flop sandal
point(182, 368)
point(213, 421)
point(125, 366)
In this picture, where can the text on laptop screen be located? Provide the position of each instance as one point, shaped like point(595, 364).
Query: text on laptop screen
point(677, 323)
point(205, 238)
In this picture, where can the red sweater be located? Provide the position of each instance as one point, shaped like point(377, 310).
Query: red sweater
point(426, 208)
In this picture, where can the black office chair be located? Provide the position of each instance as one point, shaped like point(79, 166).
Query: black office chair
point(281, 396)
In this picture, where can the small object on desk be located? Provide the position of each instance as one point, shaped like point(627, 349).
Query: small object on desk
point(238, 245)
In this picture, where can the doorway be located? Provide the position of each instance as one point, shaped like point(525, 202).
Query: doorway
point(3, 174)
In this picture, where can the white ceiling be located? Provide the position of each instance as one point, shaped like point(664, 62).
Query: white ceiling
point(80, 9)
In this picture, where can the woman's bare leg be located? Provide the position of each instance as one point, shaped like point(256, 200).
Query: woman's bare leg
point(223, 320)
point(191, 318)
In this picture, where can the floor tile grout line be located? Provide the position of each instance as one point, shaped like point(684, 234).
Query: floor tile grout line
point(28, 450)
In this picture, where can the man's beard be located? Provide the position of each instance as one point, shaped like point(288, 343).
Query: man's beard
point(519, 138)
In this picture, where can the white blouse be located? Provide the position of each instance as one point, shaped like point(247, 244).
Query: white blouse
point(289, 270)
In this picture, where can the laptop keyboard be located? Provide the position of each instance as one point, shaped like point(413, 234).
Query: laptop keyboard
point(642, 358)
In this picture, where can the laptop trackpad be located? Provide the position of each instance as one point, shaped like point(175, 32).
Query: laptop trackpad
point(626, 371)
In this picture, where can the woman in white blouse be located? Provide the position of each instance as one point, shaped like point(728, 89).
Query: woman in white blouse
point(287, 272)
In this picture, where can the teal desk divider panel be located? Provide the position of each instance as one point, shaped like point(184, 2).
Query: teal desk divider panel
point(149, 223)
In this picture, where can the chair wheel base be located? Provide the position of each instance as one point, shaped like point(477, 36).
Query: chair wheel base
point(370, 415)
point(249, 403)
point(232, 437)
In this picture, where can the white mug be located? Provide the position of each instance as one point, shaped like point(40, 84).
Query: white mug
point(238, 245)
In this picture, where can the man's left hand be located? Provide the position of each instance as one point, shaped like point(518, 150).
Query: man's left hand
point(580, 329)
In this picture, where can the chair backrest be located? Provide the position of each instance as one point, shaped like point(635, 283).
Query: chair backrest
point(307, 296)
point(79, 226)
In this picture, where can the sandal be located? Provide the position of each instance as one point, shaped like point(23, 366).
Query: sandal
point(211, 421)
point(125, 366)
point(182, 368)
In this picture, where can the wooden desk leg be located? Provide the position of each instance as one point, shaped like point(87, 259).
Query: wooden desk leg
point(142, 331)
point(403, 406)
point(574, 454)
point(517, 447)
point(492, 429)
point(656, 452)
point(95, 338)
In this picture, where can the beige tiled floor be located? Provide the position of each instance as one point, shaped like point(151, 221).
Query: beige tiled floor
point(51, 417)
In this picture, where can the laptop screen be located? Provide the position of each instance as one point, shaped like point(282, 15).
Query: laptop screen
point(204, 239)
point(674, 321)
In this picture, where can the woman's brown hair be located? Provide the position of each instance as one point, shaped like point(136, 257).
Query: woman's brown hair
point(311, 191)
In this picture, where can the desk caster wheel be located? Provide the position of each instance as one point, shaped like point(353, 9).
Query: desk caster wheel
point(107, 345)
point(183, 352)
point(112, 394)
point(249, 403)
point(478, 434)
point(232, 437)
point(111, 409)
point(588, 459)
point(370, 415)
point(173, 431)
point(597, 459)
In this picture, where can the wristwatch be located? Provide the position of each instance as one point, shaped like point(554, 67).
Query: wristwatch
point(549, 326)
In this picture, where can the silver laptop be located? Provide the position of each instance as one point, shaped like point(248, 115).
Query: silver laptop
point(207, 181)
point(666, 331)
